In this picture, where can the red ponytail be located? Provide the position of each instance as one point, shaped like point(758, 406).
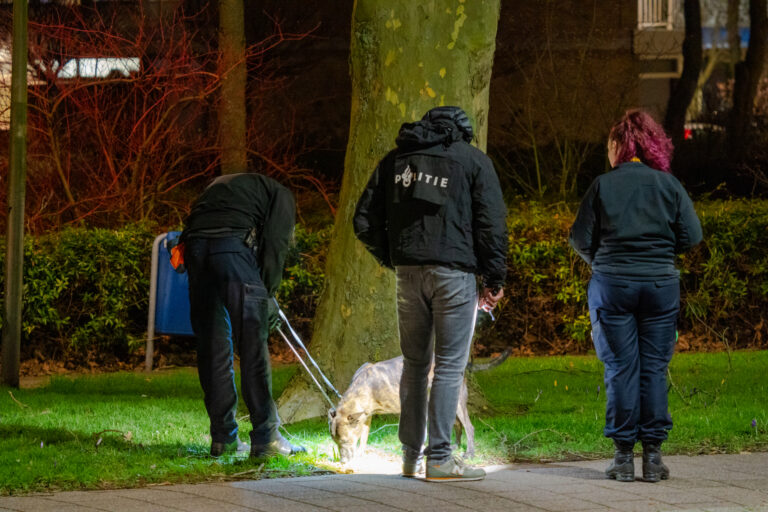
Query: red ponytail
point(640, 136)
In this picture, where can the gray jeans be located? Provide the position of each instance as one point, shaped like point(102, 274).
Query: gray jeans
point(436, 307)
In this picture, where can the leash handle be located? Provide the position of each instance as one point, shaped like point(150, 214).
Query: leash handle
point(488, 309)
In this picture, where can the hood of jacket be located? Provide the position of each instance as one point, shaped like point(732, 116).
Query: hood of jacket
point(441, 125)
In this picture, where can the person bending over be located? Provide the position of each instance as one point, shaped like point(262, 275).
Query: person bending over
point(235, 242)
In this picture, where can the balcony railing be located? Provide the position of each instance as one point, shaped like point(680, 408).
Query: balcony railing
point(658, 14)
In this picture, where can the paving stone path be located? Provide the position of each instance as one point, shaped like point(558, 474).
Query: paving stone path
point(707, 483)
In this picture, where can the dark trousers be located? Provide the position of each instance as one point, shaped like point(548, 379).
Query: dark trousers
point(634, 327)
point(436, 309)
point(228, 307)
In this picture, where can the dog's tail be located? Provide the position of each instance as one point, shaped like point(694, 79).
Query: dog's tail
point(493, 363)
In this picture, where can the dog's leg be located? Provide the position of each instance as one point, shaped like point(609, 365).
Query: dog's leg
point(457, 430)
point(463, 416)
point(364, 435)
point(462, 413)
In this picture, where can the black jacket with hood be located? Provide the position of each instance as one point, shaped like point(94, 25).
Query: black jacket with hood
point(234, 204)
point(436, 199)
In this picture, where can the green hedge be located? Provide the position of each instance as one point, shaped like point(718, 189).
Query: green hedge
point(724, 282)
point(86, 291)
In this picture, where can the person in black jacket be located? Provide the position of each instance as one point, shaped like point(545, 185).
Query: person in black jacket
point(433, 211)
point(236, 239)
point(631, 224)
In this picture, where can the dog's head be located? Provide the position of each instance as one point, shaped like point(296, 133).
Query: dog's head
point(346, 429)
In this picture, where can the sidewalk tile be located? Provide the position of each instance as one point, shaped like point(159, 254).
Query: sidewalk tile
point(150, 494)
point(116, 504)
point(292, 491)
point(575, 488)
point(385, 495)
point(271, 503)
point(371, 507)
point(738, 496)
point(614, 499)
point(564, 474)
point(120, 504)
point(276, 485)
point(732, 508)
point(201, 504)
point(408, 501)
point(35, 504)
point(78, 496)
point(641, 506)
point(451, 492)
point(756, 484)
point(566, 504)
point(674, 496)
point(339, 502)
point(529, 476)
point(529, 495)
point(337, 486)
point(390, 482)
point(495, 486)
point(636, 490)
point(211, 491)
point(301, 493)
point(250, 499)
point(364, 477)
point(710, 507)
point(494, 504)
point(690, 484)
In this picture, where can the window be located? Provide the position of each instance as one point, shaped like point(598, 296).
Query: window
point(661, 66)
point(659, 14)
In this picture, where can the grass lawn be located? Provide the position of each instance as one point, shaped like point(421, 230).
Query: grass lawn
point(123, 430)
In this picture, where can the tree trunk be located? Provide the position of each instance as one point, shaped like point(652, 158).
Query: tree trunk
point(732, 27)
point(233, 78)
point(747, 78)
point(685, 88)
point(17, 183)
point(406, 57)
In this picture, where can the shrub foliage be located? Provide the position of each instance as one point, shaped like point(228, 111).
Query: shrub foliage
point(86, 291)
point(724, 285)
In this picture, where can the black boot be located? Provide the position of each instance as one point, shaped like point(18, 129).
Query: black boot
point(653, 468)
point(623, 466)
point(279, 446)
point(237, 446)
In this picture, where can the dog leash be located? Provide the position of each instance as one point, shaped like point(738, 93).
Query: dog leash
point(314, 363)
point(296, 353)
point(488, 310)
point(309, 356)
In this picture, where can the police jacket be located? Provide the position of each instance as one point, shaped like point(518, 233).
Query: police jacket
point(234, 204)
point(435, 200)
point(633, 221)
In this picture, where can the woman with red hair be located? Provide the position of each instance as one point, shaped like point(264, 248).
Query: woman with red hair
point(631, 224)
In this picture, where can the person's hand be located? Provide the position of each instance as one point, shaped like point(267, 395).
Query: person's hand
point(489, 298)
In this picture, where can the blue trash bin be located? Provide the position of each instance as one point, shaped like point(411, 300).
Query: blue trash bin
point(168, 297)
